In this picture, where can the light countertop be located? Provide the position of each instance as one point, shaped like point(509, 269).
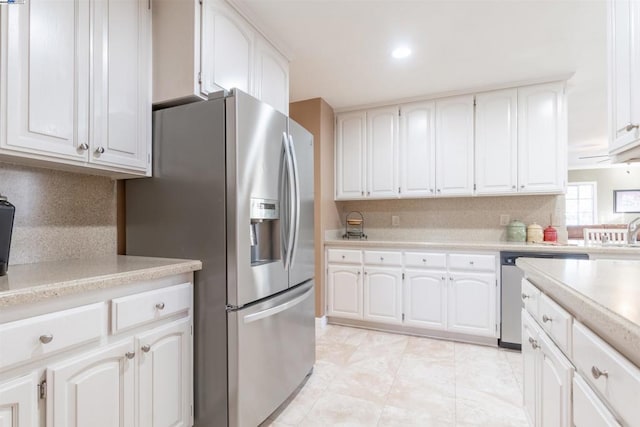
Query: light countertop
point(485, 245)
point(29, 283)
point(602, 294)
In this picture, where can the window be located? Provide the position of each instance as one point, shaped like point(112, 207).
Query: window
point(581, 203)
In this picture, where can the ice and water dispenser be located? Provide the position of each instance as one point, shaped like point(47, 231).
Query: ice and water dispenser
point(264, 231)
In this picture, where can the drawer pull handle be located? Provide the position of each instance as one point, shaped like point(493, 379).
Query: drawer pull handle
point(546, 318)
point(597, 373)
point(46, 339)
point(443, 278)
point(470, 262)
point(424, 260)
point(534, 343)
point(145, 348)
point(358, 273)
point(381, 259)
point(342, 256)
point(129, 355)
point(160, 306)
point(628, 128)
point(525, 296)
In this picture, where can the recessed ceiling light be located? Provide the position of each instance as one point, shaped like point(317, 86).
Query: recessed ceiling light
point(401, 52)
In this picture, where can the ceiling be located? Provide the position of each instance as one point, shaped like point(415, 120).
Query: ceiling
point(340, 51)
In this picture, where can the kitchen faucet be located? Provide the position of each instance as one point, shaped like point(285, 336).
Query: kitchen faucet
point(632, 233)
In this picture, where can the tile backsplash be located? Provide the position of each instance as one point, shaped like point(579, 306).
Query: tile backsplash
point(454, 219)
point(59, 215)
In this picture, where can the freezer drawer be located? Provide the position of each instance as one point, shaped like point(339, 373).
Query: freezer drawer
point(271, 351)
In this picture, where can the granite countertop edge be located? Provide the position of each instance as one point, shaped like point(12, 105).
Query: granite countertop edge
point(613, 328)
point(479, 245)
point(59, 288)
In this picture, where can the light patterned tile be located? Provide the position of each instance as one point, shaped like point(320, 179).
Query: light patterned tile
point(478, 408)
point(399, 417)
point(344, 411)
point(368, 379)
point(428, 348)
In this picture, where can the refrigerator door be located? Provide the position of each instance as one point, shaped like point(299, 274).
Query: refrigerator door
point(303, 252)
point(256, 134)
point(271, 350)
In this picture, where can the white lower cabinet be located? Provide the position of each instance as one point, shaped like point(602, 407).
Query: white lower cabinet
point(472, 303)
point(141, 376)
point(18, 402)
point(95, 389)
point(428, 290)
point(344, 285)
point(425, 299)
point(547, 378)
point(588, 409)
point(383, 294)
point(164, 371)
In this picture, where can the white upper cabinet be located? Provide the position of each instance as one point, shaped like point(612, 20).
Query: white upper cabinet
point(76, 85)
point(382, 153)
point(454, 146)
point(496, 155)
point(204, 46)
point(624, 75)
point(542, 138)
point(227, 49)
point(417, 150)
point(351, 134)
point(271, 83)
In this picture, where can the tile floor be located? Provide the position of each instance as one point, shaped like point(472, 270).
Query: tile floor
point(369, 378)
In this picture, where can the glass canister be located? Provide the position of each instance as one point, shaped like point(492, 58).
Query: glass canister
point(534, 233)
point(516, 231)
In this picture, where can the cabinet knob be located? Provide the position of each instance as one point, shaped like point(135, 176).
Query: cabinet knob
point(83, 147)
point(451, 278)
point(362, 193)
point(100, 150)
point(470, 262)
point(443, 278)
point(533, 343)
point(46, 339)
point(525, 296)
point(160, 306)
point(368, 193)
point(431, 190)
point(439, 190)
point(365, 273)
point(381, 259)
point(597, 373)
point(145, 348)
point(513, 187)
point(424, 260)
point(130, 355)
point(546, 318)
point(342, 256)
point(522, 186)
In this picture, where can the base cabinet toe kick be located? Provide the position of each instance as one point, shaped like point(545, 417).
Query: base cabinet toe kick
point(121, 356)
point(572, 377)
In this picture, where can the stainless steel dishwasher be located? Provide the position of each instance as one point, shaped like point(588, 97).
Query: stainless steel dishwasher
point(510, 294)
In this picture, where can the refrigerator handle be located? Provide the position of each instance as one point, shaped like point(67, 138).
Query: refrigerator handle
point(296, 201)
point(278, 308)
point(287, 197)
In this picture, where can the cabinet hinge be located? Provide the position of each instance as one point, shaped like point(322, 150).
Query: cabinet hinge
point(402, 276)
point(474, 187)
point(149, 4)
point(42, 389)
point(200, 72)
point(191, 330)
point(399, 190)
point(149, 158)
point(496, 327)
point(403, 317)
point(496, 283)
point(399, 112)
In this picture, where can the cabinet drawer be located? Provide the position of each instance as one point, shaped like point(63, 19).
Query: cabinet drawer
point(348, 256)
point(588, 409)
point(38, 336)
point(425, 260)
point(556, 322)
point(382, 258)
point(530, 296)
point(472, 262)
point(620, 387)
point(133, 310)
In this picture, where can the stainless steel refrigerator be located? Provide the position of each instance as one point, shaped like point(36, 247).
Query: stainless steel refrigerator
point(233, 186)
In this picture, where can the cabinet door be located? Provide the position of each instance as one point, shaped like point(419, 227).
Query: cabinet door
point(344, 286)
point(472, 304)
point(45, 87)
point(454, 146)
point(542, 138)
point(624, 65)
point(588, 410)
point(417, 150)
point(382, 153)
point(383, 294)
point(226, 49)
point(530, 367)
point(350, 155)
point(425, 299)
point(555, 385)
point(95, 389)
point(496, 155)
point(165, 376)
point(121, 126)
point(271, 76)
point(18, 402)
